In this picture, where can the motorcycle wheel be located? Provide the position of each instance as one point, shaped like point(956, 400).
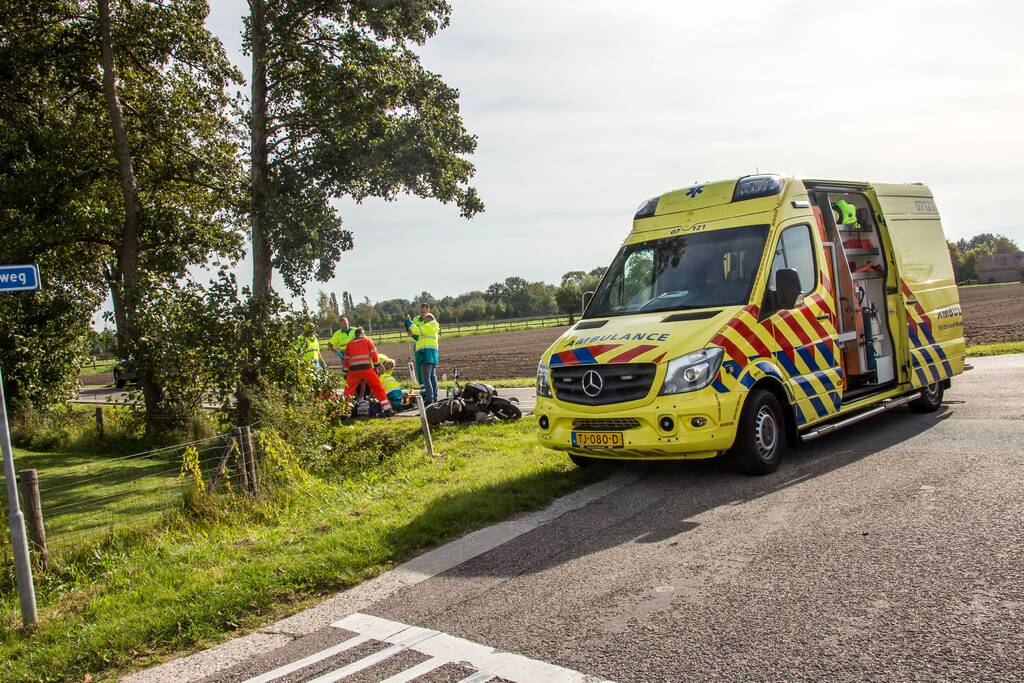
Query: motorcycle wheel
point(504, 409)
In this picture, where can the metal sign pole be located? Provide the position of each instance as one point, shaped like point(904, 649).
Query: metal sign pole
point(17, 278)
point(16, 520)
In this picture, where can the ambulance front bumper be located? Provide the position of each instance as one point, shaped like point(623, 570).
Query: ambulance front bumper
point(703, 424)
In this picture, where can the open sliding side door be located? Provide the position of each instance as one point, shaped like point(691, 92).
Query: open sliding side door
point(934, 336)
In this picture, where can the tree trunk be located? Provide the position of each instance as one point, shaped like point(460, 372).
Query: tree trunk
point(125, 272)
point(262, 250)
point(128, 249)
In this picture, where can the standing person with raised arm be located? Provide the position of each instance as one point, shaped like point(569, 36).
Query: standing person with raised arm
point(409, 322)
point(427, 334)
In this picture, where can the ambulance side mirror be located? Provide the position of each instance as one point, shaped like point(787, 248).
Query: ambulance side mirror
point(587, 296)
point(787, 288)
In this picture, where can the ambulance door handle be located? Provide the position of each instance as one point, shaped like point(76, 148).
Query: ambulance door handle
point(824, 316)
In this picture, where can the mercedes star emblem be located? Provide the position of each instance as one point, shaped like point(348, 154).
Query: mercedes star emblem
point(592, 383)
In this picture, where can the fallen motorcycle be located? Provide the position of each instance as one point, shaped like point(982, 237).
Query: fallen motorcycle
point(472, 402)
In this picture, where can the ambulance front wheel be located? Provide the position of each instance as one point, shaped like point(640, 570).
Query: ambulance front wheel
point(930, 399)
point(761, 437)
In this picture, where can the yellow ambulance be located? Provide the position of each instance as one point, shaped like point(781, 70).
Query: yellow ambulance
point(744, 315)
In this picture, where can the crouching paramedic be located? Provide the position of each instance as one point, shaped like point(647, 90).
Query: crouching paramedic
point(392, 387)
point(360, 359)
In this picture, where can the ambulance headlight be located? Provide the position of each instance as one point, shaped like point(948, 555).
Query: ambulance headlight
point(693, 371)
point(543, 386)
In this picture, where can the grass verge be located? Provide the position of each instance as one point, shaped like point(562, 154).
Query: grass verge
point(83, 496)
point(988, 284)
point(192, 581)
point(998, 349)
point(507, 383)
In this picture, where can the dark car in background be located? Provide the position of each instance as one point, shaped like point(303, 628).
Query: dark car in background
point(125, 372)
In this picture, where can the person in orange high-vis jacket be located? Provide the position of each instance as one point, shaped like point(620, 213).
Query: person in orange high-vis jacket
point(360, 359)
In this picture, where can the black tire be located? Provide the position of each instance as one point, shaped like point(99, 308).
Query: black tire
point(504, 409)
point(582, 461)
point(761, 436)
point(930, 399)
point(119, 381)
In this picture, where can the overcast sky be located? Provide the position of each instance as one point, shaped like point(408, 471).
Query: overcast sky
point(585, 108)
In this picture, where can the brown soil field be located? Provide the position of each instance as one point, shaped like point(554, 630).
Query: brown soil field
point(483, 356)
point(991, 314)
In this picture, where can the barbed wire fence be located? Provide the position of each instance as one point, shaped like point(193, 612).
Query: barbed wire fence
point(68, 507)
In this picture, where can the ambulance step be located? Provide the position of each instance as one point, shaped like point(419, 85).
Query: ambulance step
point(889, 404)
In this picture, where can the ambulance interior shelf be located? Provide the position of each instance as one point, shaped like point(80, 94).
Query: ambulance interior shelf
point(857, 269)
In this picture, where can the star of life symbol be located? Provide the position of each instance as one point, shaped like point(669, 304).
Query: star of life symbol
point(694, 191)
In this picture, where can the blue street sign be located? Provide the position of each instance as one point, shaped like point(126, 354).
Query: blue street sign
point(19, 278)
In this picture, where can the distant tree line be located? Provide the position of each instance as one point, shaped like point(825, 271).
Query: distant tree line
point(513, 297)
point(965, 253)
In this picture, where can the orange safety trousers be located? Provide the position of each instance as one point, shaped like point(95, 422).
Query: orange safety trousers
point(369, 376)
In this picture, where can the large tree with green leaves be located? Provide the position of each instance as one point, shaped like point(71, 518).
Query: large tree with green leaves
point(164, 80)
point(340, 106)
point(122, 116)
point(52, 194)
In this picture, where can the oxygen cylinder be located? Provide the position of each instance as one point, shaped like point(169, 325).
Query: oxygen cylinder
point(871, 339)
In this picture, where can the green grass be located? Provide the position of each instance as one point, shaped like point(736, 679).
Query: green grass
point(192, 582)
point(988, 284)
point(95, 367)
point(84, 496)
point(507, 383)
point(997, 349)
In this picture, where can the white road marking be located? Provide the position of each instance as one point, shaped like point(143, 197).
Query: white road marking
point(311, 659)
point(416, 570)
point(488, 662)
point(478, 677)
point(417, 671)
point(354, 667)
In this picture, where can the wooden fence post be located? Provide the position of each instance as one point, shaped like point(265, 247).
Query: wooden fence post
point(240, 464)
point(254, 483)
point(99, 421)
point(29, 481)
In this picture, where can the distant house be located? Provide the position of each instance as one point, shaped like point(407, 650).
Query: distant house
point(1000, 267)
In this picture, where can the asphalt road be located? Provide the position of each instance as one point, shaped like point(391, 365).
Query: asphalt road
point(892, 550)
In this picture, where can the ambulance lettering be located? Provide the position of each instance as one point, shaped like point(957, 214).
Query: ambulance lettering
point(625, 336)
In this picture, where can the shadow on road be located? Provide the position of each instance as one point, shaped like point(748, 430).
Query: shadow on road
point(667, 497)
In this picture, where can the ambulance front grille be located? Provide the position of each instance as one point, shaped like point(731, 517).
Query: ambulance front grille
point(605, 424)
point(619, 383)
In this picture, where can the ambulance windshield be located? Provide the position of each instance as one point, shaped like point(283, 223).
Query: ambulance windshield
point(696, 270)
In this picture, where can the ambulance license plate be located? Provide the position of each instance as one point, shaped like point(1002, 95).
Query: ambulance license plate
point(597, 439)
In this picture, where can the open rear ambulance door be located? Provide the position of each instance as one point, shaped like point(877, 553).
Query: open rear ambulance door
point(934, 337)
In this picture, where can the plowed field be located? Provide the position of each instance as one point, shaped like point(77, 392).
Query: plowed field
point(484, 356)
point(991, 314)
